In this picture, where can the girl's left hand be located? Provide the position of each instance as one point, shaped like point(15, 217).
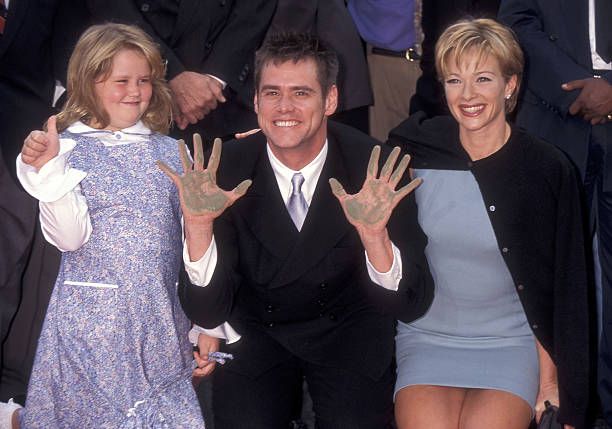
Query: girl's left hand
point(206, 344)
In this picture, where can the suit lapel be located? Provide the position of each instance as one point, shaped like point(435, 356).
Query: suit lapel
point(324, 226)
point(264, 211)
point(16, 14)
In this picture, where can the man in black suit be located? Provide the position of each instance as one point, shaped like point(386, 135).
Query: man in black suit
point(209, 46)
point(286, 266)
point(32, 55)
point(568, 101)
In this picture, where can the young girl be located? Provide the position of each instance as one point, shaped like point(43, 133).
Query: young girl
point(114, 351)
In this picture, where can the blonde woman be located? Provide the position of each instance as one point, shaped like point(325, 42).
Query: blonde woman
point(508, 328)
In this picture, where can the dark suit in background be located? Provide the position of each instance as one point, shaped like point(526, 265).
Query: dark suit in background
point(554, 35)
point(331, 21)
point(216, 37)
point(304, 300)
point(436, 16)
point(31, 48)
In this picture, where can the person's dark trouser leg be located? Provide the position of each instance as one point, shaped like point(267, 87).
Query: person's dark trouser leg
point(344, 399)
point(270, 401)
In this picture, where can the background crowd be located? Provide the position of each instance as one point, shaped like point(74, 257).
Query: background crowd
point(387, 72)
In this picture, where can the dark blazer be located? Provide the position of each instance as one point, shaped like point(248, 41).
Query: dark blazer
point(26, 73)
point(307, 293)
point(554, 35)
point(538, 224)
point(29, 53)
point(217, 37)
point(331, 22)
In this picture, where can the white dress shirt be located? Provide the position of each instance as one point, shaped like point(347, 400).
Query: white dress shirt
point(598, 62)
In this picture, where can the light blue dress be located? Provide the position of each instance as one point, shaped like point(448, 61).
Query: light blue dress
point(114, 352)
point(475, 334)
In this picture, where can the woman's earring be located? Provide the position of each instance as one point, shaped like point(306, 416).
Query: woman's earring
point(508, 96)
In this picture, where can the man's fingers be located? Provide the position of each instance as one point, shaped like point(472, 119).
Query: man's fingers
point(184, 155)
point(373, 163)
point(405, 190)
point(168, 171)
point(575, 107)
point(400, 170)
point(239, 136)
point(574, 84)
point(198, 153)
point(241, 189)
point(390, 163)
point(217, 89)
point(337, 189)
point(215, 158)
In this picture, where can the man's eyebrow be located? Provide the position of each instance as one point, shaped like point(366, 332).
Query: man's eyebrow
point(292, 88)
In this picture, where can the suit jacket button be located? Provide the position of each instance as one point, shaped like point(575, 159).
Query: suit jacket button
point(535, 326)
point(270, 324)
point(269, 308)
point(520, 287)
point(332, 317)
point(321, 302)
point(552, 37)
point(145, 7)
point(323, 285)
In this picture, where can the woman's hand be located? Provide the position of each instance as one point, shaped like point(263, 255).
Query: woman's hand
point(549, 387)
point(39, 146)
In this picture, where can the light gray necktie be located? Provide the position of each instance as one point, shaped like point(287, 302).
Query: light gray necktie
point(297, 205)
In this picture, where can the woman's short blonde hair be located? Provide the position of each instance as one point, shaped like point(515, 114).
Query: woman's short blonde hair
point(483, 37)
point(92, 60)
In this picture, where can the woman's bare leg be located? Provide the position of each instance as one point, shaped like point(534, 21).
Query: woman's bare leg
point(487, 408)
point(429, 407)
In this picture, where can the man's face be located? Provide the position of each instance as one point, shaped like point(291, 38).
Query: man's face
point(292, 111)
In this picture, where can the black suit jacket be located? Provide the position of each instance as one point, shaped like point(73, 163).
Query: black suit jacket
point(26, 73)
point(31, 48)
point(217, 37)
point(554, 35)
point(307, 293)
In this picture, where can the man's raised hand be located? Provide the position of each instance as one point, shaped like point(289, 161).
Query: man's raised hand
point(369, 210)
point(200, 196)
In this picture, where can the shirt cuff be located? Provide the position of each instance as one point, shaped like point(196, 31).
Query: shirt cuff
point(224, 332)
point(54, 179)
point(200, 272)
point(389, 280)
point(221, 81)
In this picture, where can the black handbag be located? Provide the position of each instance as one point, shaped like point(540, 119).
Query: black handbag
point(549, 417)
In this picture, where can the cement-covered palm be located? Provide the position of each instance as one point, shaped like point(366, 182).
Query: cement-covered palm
point(371, 207)
point(199, 194)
